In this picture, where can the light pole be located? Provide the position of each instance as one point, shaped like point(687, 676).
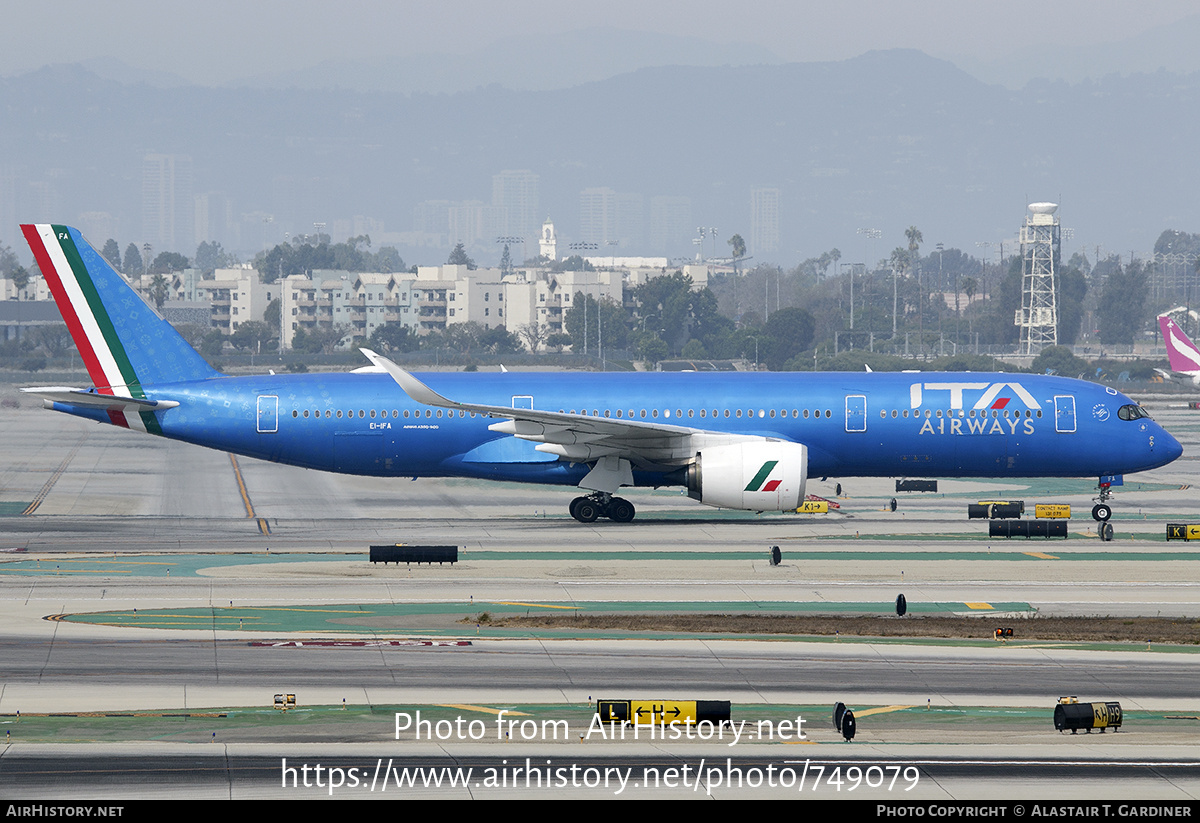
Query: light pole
point(583, 245)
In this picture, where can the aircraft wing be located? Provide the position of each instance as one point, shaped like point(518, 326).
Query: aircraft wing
point(576, 437)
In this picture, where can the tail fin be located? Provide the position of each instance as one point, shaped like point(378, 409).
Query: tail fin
point(1182, 352)
point(124, 343)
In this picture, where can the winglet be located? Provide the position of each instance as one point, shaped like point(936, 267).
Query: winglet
point(413, 387)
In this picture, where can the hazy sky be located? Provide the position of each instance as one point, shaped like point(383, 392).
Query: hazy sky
point(214, 41)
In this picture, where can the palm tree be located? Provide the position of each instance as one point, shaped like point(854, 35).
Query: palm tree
point(914, 244)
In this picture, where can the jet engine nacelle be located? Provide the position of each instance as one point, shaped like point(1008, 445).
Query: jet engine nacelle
point(759, 476)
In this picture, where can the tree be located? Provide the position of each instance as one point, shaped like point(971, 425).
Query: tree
point(168, 261)
point(133, 261)
point(393, 337)
point(320, 340)
point(788, 332)
point(11, 268)
point(498, 340)
point(272, 315)
point(506, 261)
point(1122, 308)
point(112, 253)
point(55, 338)
point(1059, 360)
point(159, 289)
point(213, 343)
point(459, 257)
point(534, 335)
point(738, 246)
point(19, 277)
point(210, 257)
point(558, 341)
point(593, 324)
point(252, 336)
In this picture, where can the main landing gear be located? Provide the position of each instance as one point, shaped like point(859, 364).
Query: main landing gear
point(594, 506)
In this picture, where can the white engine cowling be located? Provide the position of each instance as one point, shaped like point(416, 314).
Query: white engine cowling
point(759, 476)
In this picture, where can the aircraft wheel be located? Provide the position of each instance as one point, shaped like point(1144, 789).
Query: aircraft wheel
point(620, 510)
point(1101, 512)
point(574, 504)
point(586, 511)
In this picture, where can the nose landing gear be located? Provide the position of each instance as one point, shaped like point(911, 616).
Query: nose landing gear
point(1102, 511)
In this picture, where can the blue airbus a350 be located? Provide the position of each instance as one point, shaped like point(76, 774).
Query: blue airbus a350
point(742, 441)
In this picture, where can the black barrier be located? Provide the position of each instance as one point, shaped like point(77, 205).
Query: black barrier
point(901, 606)
point(916, 485)
point(1087, 716)
point(848, 725)
point(400, 553)
point(776, 556)
point(995, 509)
point(1028, 528)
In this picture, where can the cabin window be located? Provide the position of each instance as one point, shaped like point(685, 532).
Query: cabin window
point(727, 413)
point(772, 414)
point(296, 413)
point(738, 413)
point(372, 413)
point(806, 414)
point(654, 413)
point(439, 412)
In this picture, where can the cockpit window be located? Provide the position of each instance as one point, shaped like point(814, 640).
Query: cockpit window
point(1132, 412)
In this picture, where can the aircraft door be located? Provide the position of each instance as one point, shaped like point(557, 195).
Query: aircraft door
point(268, 413)
point(856, 412)
point(1064, 413)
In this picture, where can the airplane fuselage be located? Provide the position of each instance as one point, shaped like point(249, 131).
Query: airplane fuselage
point(853, 424)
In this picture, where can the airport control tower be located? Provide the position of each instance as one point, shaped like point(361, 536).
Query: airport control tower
point(1038, 316)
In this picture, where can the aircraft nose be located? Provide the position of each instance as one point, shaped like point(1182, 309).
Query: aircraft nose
point(1171, 448)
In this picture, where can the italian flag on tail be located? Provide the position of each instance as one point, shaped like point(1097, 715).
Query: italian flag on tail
point(124, 344)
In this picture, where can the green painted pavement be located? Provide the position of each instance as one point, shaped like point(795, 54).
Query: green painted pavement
point(372, 723)
point(191, 565)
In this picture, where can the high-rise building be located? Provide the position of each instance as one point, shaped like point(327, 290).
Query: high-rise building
point(671, 225)
point(168, 220)
point(607, 217)
point(764, 221)
point(597, 215)
point(515, 193)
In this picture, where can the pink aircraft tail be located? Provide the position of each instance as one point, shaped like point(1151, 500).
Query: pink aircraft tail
point(1183, 354)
